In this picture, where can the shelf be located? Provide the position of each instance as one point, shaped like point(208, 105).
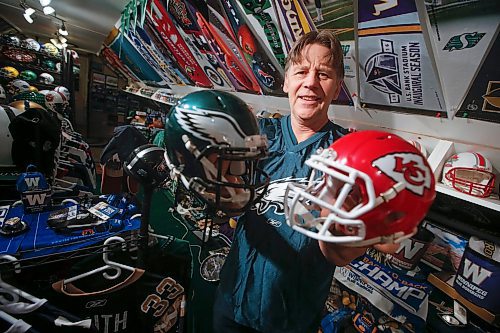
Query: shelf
point(490, 203)
point(160, 95)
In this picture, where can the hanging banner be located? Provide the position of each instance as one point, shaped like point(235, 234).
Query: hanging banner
point(172, 39)
point(241, 79)
point(462, 34)
point(266, 69)
point(115, 63)
point(135, 39)
point(261, 16)
point(395, 67)
point(162, 51)
point(133, 59)
point(184, 17)
point(294, 20)
point(483, 99)
point(219, 27)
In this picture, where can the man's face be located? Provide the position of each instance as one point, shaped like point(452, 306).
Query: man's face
point(311, 84)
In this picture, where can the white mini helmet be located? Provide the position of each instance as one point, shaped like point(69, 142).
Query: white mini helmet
point(64, 91)
point(43, 92)
point(470, 173)
point(18, 86)
point(31, 44)
point(55, 101)
point(46, 78)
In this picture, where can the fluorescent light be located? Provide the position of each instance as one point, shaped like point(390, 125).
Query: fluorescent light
point(45, 2)
point(64, 45)
point(28, 18)
point(27, 14)
point(48, 10)
point(56, 43)
point(62, 30)
point(62, 39)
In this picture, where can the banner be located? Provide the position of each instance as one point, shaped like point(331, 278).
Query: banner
point(462, 33)
point(395, 67)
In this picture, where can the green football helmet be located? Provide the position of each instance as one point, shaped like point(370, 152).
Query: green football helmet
point(48, 64)
point(28, 75)
point(213, 146)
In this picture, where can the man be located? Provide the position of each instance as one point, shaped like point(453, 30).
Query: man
point(276, 280)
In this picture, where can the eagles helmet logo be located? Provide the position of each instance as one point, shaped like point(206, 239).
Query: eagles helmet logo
point(216, 127)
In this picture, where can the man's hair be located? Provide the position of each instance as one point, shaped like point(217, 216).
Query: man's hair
point(324, 38)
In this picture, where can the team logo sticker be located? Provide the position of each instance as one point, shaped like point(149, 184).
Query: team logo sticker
point(464, 41)
point(492, 97)
point(382, 71)
point(408, 168)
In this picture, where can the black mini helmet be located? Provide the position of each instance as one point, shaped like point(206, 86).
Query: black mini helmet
point(213, 146)
point(147, 165)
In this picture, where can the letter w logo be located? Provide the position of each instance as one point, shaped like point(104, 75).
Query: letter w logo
point(32, 181)
point(479, 274)
point(36, 199)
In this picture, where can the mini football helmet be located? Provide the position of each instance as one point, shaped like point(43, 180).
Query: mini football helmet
point(49, 64)
point(9, 72)
point(31, 44)
point(368, 187)
point(33, 88)
point(55, 101)
point(28, 75)
point(64, 91)
point(213, 146)
point(50, 49)
point(470, 173)
point(17, 86)
point(46, 78)
point(147, 165)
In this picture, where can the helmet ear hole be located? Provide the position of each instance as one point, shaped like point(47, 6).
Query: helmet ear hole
point(394, 217)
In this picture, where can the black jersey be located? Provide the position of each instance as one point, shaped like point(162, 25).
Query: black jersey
point(46, 317)
point(146, 300)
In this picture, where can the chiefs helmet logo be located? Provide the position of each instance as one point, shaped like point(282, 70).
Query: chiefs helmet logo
point(408, 168)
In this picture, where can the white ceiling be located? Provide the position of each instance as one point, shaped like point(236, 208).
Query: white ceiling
point(87, 21)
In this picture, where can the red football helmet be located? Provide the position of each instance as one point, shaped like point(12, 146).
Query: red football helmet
point(368, 187)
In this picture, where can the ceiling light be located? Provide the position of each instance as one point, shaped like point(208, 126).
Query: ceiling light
point(45, 2)
point(63, 30)
point(64, 45)
point(27, 14)
point(56, 43)
point(48, 10)
point(62, 39)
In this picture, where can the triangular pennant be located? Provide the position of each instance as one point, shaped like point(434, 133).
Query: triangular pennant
point(461, 39)
point(396, 68)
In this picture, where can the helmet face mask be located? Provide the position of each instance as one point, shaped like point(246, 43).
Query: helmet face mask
point(362, 191)
point(213, 147)
point(469, 173)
